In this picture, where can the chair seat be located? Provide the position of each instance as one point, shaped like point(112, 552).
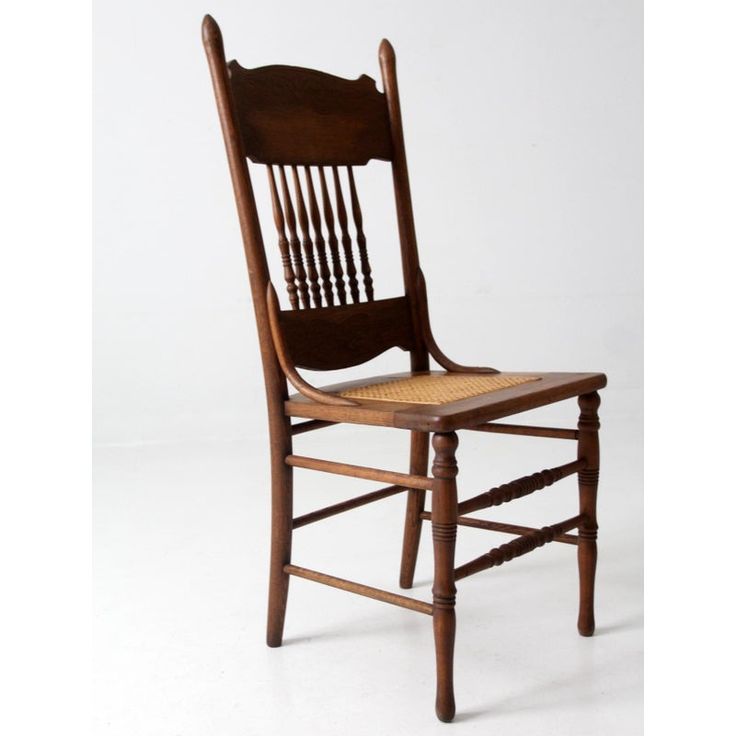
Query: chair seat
point(437, 401)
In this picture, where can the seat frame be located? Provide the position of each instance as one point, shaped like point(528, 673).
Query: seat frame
point(290, 340)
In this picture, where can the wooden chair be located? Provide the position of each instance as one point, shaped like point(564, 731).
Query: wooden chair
point(311, 130)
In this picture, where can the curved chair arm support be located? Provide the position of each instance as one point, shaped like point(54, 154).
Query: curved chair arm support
point(432, 347)
point(287, 365)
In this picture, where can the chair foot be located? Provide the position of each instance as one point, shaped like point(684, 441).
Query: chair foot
point(444, 639)
point(277, 597)
point(446, 713)
point(587, 556)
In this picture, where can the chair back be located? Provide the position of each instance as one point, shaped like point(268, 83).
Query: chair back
point(312, 131)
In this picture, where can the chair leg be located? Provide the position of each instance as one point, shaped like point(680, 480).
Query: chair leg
point(414, 508)
point(282, 481)
point(588, 448)
point(444, 531)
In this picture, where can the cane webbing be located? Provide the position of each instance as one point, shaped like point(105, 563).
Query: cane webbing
point(441, 388)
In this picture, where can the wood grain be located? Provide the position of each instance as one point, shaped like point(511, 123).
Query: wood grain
point(340, 337)
point(291, 115)
point(319, 241)
point(589, 453)
point(444, 532)
point(360, 239)
point(332, 243)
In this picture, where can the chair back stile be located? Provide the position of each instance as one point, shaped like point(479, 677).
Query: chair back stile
point(310, 130)
point(258, 272)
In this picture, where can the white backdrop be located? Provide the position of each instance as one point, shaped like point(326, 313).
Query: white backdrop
point(523, 128)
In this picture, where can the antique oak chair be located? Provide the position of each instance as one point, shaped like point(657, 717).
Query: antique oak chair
point(311, 130)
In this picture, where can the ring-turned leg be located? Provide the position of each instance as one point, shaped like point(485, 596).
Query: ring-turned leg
point(444, 531)
point(588, 449)
point(414, 508)
point(281, 527)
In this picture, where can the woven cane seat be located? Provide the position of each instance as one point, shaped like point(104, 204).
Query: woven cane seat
point(441, 388)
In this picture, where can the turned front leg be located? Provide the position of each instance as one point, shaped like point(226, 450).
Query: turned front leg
point(444, 531)
point(588, 449)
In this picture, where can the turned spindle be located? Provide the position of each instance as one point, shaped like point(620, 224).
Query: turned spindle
point(278, 217)
point(301, 213)
point(294, 243)
point(347, 243)
point(332, 242)
point(365, 266)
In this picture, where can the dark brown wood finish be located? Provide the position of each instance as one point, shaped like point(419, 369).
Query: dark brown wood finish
point(331, 338)
point(588, 452)
point(419, 459)
point(310, 426)
point(520, 487)
point(444, 532)
point(275, 382)
point(332, 243)
point(496, 428)
point(311, 130)
point(301, 210)
point(306, 270)
point(278, 217)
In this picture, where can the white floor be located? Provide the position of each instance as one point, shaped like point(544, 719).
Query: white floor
point(181, 537)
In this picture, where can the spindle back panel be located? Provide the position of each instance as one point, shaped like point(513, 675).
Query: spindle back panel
point(311, 131)
point(319, 228)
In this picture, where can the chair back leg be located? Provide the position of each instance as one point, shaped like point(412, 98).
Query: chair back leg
point(414, 507)
point(282, 485)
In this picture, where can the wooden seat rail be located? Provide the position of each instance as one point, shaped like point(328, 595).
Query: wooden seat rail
point(516, 429)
